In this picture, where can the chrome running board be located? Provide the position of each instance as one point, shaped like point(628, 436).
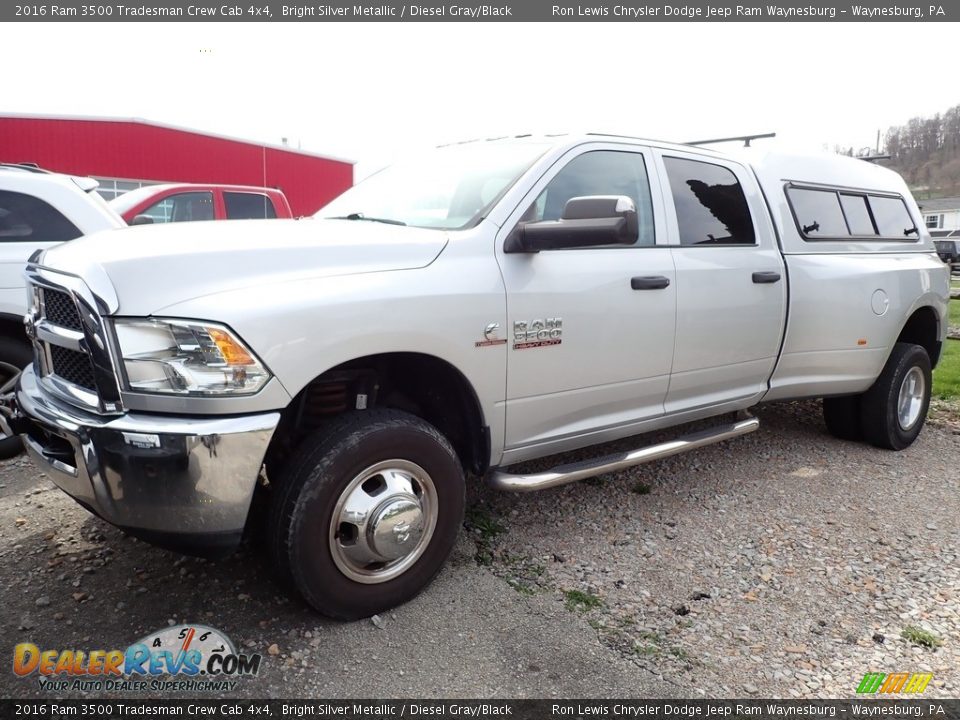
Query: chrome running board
point(563, 474)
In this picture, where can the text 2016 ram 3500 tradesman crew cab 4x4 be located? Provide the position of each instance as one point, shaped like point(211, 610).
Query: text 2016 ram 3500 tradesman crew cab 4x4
point(485, 304)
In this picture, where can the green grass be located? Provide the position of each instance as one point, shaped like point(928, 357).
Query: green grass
point(527, 577)
point(483, 556)
point(646, 650)
point(921, 637)
point(647, 644)
point(484, 524)
point(650, 644)
point(953, 313)
point(485, 529)
point(946, 377)
point(521, 587)
point(582, 601)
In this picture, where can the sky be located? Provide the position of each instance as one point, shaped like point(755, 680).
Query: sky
point(370, 92)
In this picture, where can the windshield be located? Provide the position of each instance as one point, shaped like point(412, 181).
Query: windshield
point(449, 188)
point(122, 203)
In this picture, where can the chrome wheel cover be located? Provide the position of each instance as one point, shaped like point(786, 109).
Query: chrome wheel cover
point(383, 521)
point(910, 400)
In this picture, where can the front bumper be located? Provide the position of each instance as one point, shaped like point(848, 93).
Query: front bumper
point(180, 482)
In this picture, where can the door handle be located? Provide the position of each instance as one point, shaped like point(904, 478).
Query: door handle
point(766, 276)
point(649, 282)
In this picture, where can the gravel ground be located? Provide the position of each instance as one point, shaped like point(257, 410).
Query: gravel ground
point(781, 564)
point(784, 564)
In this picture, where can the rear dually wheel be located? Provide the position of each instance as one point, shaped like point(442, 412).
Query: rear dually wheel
point(893, 410)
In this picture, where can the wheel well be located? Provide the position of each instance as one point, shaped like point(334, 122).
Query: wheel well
point(12, 327)
point(923, 328)
point(422, 385)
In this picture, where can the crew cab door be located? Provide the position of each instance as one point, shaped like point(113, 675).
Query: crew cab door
point(590, 330)
point(182, 207)
point(731, 282)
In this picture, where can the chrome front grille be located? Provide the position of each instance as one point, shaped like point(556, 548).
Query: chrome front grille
point(72, 349)
point(60, 309)
point(72, 366)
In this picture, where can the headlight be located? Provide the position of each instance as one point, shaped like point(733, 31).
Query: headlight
point(186, 357)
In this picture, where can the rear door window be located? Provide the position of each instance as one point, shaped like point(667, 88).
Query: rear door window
point(248, 206)
point(710, 204)
point(27, 218)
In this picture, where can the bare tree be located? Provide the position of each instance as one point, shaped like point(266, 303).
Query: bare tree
point(926, 151)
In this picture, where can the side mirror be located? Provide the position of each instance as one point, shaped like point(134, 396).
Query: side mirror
point(142, 220)
point(586, 222)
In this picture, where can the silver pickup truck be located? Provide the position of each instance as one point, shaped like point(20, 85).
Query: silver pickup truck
point(481, 305)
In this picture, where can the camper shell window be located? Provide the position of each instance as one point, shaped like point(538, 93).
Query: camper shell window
point(831, 213)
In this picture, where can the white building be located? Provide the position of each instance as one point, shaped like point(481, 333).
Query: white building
point(942, 216)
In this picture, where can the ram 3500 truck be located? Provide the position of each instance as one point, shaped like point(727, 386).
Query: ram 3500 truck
point(482, 305)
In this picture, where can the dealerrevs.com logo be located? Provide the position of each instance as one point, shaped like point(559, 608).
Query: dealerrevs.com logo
point(179, 658)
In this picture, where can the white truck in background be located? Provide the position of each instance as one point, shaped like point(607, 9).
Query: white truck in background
point(38, 209)
point(482, 305)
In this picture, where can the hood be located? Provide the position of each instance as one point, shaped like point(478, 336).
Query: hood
point(153, 266)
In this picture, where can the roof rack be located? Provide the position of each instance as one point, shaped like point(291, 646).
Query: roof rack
point(745, 138)
point(872, 158)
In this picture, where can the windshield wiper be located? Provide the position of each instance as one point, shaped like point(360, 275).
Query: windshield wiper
point(361, 216)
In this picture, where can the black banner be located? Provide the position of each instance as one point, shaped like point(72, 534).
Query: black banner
point(483, 709)
point(628, 11)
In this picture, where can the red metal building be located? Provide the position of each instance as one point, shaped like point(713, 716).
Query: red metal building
point(125, 153)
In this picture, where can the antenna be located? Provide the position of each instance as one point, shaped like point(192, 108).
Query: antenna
point(745, 138)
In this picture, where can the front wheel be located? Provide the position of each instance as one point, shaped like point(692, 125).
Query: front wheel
point(366, 512)
point(893, 410)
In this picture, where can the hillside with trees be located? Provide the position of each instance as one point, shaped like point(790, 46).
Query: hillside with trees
point(926, 151)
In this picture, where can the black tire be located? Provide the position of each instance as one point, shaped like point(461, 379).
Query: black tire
point(15, 354)
point(313, 481)
point(842, 416)
point(879, 405)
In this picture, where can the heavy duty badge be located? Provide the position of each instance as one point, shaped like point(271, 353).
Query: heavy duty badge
point(537, 333)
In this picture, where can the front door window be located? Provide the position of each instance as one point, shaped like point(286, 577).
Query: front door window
point(183, 207)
